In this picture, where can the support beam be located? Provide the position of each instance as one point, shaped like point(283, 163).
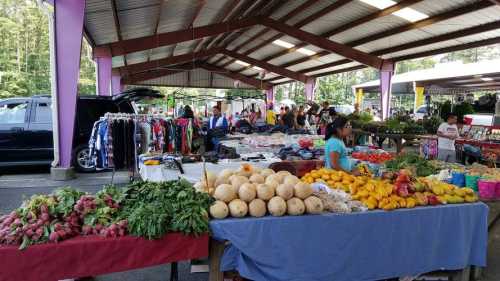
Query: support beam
point(103, 67)
point(143, 66)
point(116, 83)
point(476, 44)
point(410, 45)
point(310, 89)
point(332, 7)
point(220, 17)
point(168, 38)
point(270, 96)
point(270, 10)
point(386, 73)
point(423, 23)
point(156, 73)
point(236, 76)
point(254, 11)
point(239, 12)
point(117, 26)
point(325, 44)
point(419, 24)
point(267, 66)
point(190, 22)
point(157, 24)
point(69, 16)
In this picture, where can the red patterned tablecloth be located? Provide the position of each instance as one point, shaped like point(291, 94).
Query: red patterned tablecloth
point(92, 255)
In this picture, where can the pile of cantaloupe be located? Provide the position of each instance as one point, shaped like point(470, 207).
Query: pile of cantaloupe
point(257, 192)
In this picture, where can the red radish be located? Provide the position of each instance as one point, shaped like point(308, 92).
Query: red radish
point(54, 237)
point(39, 231)
point(86, 230)
point(121, 232)
point(98, 227)
point(29, 232)
point(17, 222)
point(45, 217)
point(44, 209)
point(61, 233)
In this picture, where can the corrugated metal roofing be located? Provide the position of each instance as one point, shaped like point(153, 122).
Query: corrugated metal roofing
point(198, 78)
point(138, 18)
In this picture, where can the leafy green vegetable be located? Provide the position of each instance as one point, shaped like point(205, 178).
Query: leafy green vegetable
point(66, 198)
point(152, 209)
point(411, 161)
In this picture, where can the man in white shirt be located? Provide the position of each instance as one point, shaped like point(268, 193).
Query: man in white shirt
point(447, 133)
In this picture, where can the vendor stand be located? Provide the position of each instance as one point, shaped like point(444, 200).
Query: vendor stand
point(93, 255)
point(363, 246)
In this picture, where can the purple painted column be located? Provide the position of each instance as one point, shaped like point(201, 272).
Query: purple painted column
point(386, 72)
point(102, 57)
point(310, 88)
point(116, 82)
point(68, 34)
point(270, 95)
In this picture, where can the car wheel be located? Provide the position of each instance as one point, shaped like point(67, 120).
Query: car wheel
point(82, 159)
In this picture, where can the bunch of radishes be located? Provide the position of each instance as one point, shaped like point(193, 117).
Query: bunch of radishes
point(11, 229)
point(112, 230)
point(26, 226)
point(85, 205)
point(110, 202)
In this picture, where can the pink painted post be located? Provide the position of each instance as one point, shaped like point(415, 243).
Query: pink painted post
point(270, 95)
point(386, 72)
point(310, 88)
point(68, 34)
point(116, 82)
point(103, 76)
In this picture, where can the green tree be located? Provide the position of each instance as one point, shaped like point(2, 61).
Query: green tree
point(24, 52)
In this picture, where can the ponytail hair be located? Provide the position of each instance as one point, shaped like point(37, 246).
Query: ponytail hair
point(333, 129)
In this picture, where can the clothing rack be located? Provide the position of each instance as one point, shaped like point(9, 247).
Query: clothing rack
point(118, 139)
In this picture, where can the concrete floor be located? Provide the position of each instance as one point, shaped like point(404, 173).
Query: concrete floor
point(16, 185)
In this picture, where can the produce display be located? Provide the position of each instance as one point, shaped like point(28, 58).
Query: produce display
point(143, 209)
point(395, 125)
point(418, 165)
point(394, 190)
point(373, 157)
point(256, 192)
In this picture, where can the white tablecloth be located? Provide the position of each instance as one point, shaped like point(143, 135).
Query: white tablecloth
point(192, 171)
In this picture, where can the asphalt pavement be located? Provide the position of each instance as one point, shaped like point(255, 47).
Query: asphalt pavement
point(19, 184)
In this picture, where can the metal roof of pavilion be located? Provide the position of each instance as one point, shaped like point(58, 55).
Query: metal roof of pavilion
point(233, 39)
point(454, 75)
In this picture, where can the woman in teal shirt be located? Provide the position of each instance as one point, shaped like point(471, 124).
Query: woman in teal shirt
point(335, 150)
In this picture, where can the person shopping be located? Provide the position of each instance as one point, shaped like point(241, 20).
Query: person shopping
point(447, 133)
point(335, 149)
point(217, 129)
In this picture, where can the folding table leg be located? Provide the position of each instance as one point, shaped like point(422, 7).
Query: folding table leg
point(216, 251)
point(477, 272)
point(174, 272)
point(464, 274)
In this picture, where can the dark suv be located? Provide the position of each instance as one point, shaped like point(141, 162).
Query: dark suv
point(26, 126)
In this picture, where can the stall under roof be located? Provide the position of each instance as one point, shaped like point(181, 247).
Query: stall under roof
point(261, 43)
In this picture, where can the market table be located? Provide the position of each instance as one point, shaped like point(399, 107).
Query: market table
point(192, 171)
point(93, 255)
point(352, 247)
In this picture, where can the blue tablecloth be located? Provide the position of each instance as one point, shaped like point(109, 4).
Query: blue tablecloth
point(355, 247)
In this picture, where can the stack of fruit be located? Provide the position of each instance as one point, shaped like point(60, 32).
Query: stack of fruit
point(255, 192)
point(396, 190)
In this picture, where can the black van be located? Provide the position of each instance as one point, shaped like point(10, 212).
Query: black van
point(26, 126)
